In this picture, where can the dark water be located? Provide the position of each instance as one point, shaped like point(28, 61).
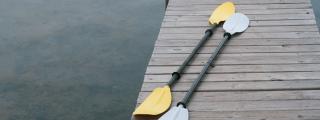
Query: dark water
point(316, 9)
point(75, 59)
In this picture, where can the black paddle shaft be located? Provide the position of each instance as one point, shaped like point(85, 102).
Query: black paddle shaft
point(176, 75)
point(209, 63)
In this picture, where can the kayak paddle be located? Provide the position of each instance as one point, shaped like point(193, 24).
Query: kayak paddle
point(160, 98)
point(236, 23)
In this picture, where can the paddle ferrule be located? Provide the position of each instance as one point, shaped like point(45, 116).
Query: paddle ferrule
point(209, 31)
point(195, 84)
point(228, 35)
point(177, 74)
point(182, 103)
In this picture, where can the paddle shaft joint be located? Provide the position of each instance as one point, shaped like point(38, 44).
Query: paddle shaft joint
point(210, 62)
point(177, 74)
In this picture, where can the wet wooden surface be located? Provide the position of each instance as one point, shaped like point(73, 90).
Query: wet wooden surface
point(270, 72)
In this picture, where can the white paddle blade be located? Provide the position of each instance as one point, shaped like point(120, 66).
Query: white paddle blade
point(238, 22)
point(176, 113)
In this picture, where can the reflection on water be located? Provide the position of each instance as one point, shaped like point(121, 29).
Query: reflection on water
point(75, 59)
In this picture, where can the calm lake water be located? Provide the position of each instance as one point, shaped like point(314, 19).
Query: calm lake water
point(75, 59)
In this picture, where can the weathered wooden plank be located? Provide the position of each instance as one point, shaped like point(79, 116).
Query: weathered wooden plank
point(253, 42)
point(255, 105)
point(252, 23)
point(241, 49)
point(302, 54)
point(249, 115)
point(252, 29)
point(207, 86)
point(238, 77)
point(240, 8)
point(203, 16)
point(257, 115)
point(237, 2)
point(275, 35)
point(235, 59)
point(244, 96)
point(247, 12)
point(154, 70)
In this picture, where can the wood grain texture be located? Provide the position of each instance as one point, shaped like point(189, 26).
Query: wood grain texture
point(238, 77)
point(245, 96)
point(238, 68)
point(237, 2)
point(257, 15)
point(235, 59)
point(269, 72)
point(253, 29)
point(252, 23)
point(249, 115)
point(203, 16)
point(249, 35)
point(245, 8)
point(207, 86)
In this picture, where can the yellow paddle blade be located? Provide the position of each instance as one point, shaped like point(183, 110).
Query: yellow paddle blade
point(156, 103)
point(221, 13)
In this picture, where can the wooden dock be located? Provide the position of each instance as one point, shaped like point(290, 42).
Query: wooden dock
point(270, 72)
